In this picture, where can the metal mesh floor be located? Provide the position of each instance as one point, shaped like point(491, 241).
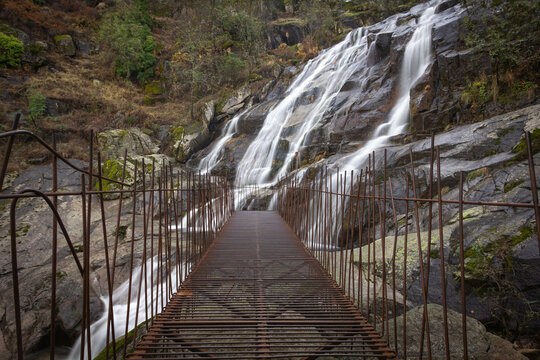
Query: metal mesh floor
point(258, 293)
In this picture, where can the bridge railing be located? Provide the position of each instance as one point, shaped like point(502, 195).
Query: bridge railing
point(390, 249)
point(156, 221)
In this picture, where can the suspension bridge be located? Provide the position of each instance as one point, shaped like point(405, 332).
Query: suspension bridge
point(212, 282)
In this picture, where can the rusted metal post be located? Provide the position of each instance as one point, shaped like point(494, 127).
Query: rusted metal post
point(7, 154)
point(534, 190)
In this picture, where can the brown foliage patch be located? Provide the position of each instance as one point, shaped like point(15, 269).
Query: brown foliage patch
point(56, 19)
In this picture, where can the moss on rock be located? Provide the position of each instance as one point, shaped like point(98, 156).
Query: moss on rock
point(65, 44)
point(153, 88)
point(521, 147)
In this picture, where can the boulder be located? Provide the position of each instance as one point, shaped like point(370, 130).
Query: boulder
point(379, 47)
point(87, 48)
point(65, 44)
point(113, 169)
point(236, 101)
point(481, 345)
point(35, 53)
point(207, 112)
point(113, 143)
point(188, 140)
point(287, 31)
point(291, 34)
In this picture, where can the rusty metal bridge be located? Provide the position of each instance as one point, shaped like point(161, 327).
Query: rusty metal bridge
point(319, 278)
point(258, 293)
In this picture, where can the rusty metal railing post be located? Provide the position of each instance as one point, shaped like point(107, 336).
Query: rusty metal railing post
point(7, 154)
point(534, 190)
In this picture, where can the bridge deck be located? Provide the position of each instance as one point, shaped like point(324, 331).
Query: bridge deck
point(258, 293)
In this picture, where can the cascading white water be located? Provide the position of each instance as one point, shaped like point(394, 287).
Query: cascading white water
point(302, 108)
point(416, 59)
point(210, 161)
point(312, 93)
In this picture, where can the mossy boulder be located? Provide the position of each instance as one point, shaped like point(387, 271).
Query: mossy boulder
point(65, 44)
point(113, 143)
point(35, 53)
point(481, 344)
point(185, 141)
point(113, 169)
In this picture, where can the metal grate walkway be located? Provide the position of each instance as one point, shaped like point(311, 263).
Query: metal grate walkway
point(258, 293)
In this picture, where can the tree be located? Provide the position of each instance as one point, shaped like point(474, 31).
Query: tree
point(129, 35)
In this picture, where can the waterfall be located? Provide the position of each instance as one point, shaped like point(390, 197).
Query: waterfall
point(120, 300)
point(210, 161)
point(416, 59)
point(302, 108)
point(313, 93)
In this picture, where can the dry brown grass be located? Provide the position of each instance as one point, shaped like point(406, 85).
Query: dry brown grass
point(111, 103)
point(99, 104)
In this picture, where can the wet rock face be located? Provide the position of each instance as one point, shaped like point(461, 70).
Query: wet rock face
point(502, 260)
point(371, 89)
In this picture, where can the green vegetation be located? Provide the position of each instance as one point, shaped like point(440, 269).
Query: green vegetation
point(508, 187)
point(113, 169)
point(489, 271)
point(121, 232)
point(11, 50)
point(510, 32)
point(129, 35)
point(478, 258)
point(370, 11)
point(218, 47)
point(276, 165)
point(153, 88)
point(120, 341)
point(521, 148)
point(36, 105)
point(177, 133)
point(476, 93)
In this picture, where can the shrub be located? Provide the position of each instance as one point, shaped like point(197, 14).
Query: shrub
point(11, 50)
point(36, 105)
point(476, 93)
